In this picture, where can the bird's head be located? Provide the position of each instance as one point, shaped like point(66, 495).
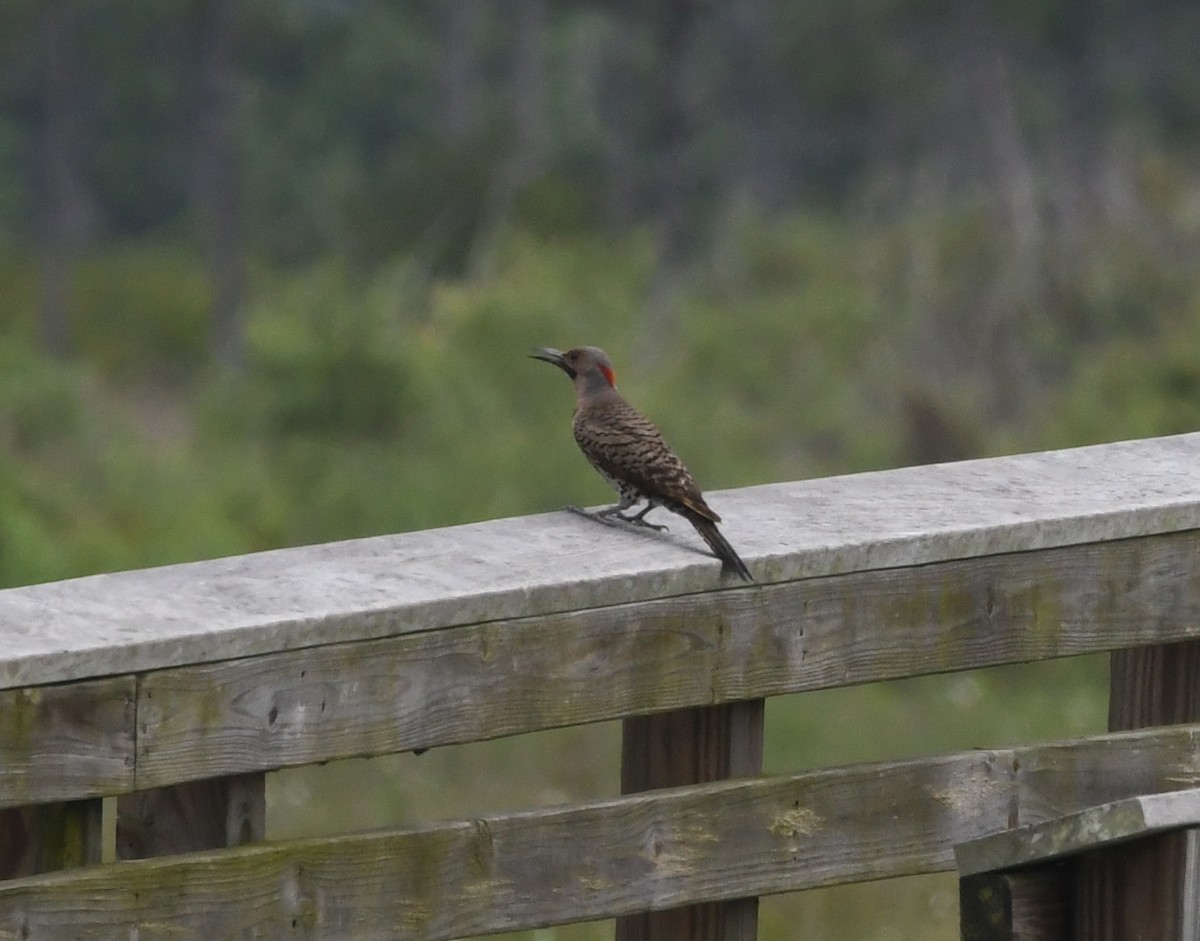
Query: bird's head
point(589, 366)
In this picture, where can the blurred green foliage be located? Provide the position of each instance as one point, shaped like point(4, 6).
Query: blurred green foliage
point(142, 311)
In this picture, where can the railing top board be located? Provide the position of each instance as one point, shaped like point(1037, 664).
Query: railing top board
point(365, 588)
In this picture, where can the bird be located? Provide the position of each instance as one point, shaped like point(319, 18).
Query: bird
point(631, 455)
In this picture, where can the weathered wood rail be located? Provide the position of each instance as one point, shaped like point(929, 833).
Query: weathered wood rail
point(176, 689)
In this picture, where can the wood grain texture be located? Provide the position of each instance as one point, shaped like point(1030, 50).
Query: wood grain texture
point(691, 746)
point(484, 681)
point(199, 815)
point(657, 850)
point(66, 742)
point(1145, 888)
point(1139, 890)
point(1158, 685)
point(49, 837)
point(508, 677)
point(131, 622)
point(1092, 828)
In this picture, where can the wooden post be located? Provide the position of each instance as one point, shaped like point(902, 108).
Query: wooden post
point(1026, 905)
point(49, 837)
point(1145, 890)
point(198, 815)
point(1157, 685)
point(691, 746)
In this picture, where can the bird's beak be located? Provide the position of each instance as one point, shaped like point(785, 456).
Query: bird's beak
point(550, 355)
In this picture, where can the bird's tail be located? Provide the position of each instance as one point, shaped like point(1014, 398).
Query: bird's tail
point(730, 560)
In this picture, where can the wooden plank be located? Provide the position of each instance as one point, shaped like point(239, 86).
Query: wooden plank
point(657, 850)
point(1144, 889)
point(297, 598)
point(199, 815)
point(508, 677)
point(49, 837)
point(1089, 829)
point(60, 748)
point(66, 742)
point(1015, 906)
point(692, 746)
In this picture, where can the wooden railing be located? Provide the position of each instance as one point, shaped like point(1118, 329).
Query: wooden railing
point(176, 689)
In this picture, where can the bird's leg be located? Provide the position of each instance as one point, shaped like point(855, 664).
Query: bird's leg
point(640, 519)
point(610, 514)
point(616, 509)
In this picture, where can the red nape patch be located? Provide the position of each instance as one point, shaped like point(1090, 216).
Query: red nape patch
point(608, 374)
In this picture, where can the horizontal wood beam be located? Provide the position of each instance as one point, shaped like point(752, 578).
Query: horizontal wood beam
point(651, 851)
point(509, 677)
point(132, 622)
point(70, 742)
point(1089, 829)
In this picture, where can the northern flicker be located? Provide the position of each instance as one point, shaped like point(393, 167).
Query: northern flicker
point(629, 452)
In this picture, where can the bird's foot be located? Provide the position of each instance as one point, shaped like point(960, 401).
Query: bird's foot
point(639, 521)
point(580, 511)
point(613, 518)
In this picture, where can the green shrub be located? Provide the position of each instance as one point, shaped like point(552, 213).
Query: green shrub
point(142, 312)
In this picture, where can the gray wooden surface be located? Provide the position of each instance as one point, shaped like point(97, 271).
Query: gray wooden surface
point(657, 850)
point(67, 742)
point(692, 746)
point(369, 588)
point(1088, 829)
point(511, 676)
point(508, 677)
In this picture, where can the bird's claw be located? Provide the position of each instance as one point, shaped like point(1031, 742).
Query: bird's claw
point(611, 519)
point(580, 511)
point(638, 521)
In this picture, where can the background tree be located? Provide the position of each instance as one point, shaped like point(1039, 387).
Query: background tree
point(217, 175)
point(65, 210)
